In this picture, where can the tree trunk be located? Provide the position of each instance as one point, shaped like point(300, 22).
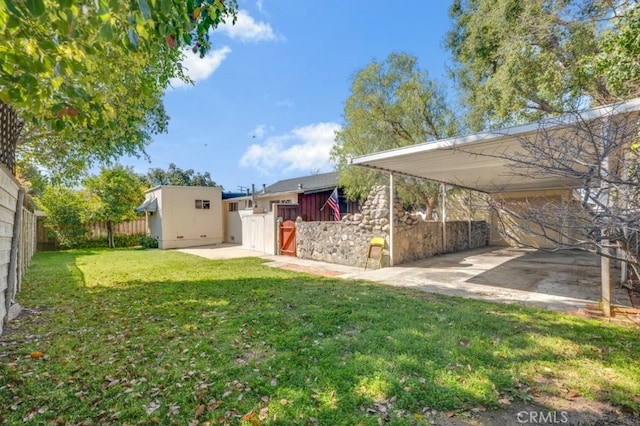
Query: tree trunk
point(110, 234)
point(429, 213)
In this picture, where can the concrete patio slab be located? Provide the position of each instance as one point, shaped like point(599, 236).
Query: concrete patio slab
point(222, 251)
point(562, 281)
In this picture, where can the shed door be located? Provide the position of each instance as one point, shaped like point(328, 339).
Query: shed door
point(288, 238)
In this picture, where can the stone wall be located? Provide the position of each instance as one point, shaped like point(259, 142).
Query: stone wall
point(346, 242)
point(424, 239)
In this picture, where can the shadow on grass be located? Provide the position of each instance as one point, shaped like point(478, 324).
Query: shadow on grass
point(250, 337)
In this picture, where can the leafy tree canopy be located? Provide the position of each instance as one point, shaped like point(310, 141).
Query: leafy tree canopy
point(114, 194)
point(392, 104)
point(87, 76)
point(517, 61)
point(66, 211)
point(619, 59)
point(176, 176)
point(33, 179)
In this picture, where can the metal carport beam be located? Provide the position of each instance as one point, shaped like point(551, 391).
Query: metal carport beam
point(478, 161)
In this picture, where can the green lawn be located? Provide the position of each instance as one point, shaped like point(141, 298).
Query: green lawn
point(149, 336)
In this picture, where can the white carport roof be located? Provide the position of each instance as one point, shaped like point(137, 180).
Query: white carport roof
point(477, 161)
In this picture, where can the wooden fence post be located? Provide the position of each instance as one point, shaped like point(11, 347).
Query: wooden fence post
point(12, 281)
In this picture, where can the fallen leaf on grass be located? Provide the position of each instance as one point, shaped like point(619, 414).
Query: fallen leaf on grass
point(213, 404)
point(264, 414)
point(199, 410)
point(153, 406)
point(174, 409)
point(250, 415)
point(36, 354)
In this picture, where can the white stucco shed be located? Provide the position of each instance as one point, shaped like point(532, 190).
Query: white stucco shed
point(184, 216)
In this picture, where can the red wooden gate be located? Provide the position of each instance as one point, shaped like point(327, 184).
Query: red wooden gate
point(288, 238)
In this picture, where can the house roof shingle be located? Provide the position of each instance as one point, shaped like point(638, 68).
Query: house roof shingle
point(304, 184)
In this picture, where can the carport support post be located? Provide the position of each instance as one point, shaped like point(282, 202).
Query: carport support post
point(392, 205)
point(443, 192)
point(606, 279)
point(470, 219)
point(605, 262)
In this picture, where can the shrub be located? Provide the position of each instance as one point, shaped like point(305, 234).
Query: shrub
point(66, 210)
point(121, 240)
point(148, 242)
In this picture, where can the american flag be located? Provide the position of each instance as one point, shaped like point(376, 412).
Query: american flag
point(334, 203)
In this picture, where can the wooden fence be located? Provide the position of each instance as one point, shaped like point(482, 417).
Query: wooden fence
point(17, 224)
point(138, 226)
point(47, 242)
point(17, 243)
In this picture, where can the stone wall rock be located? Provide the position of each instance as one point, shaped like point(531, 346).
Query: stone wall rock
point(347, 242)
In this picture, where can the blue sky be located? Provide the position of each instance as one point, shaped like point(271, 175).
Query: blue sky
point(270, 94)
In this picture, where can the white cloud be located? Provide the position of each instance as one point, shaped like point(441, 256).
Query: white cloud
point(200, 68)
point(302, 149)
point(260, 131)
point(286, 103)
point(246, 29)
point(260, 5)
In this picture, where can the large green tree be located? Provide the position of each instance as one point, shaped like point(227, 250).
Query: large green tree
point(618, 61)
point(174, 175)
point(517, 61)
point(135, 111)
point(392, 104)
point(114, 194)
point(67, 211)
point(87, 76)
point(33, 179)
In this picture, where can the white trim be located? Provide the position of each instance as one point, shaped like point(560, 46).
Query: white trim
point(521, 130)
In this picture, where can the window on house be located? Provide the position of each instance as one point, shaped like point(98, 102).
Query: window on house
point(233, 207)
point(203, 204)
point(344, 205)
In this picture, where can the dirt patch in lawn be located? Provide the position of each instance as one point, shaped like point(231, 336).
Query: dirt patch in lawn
point(312, 271)
point(544, 410)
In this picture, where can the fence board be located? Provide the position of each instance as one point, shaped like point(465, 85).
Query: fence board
point(138, 226)
point(27, 243)
point(7, 216)
point(45, 241)
point(7, 200)
point(24, 247)
point(6, 229)
point(10, 127)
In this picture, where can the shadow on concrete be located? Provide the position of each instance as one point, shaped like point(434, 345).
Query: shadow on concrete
point(561, 281)
point(566, 280)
